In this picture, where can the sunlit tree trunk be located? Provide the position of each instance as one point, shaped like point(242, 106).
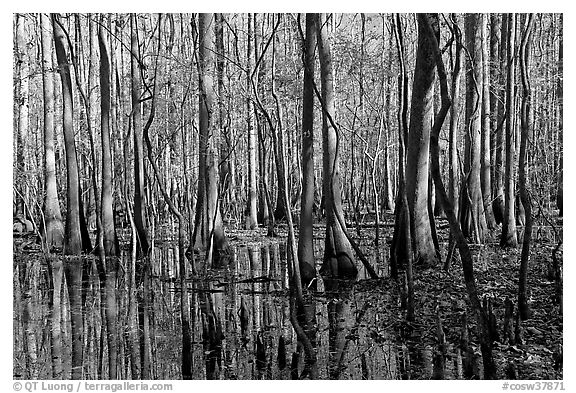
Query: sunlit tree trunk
point(251, 208)
point(72, 238)
point(208, 228)
point(139, 192)
point(485, 169)
point(109, 239)
point(453, 177)
point(305, 239)
point(22, 103)
point(224, 145)
point(526, 119)
point(472, 217)
point(560, 99)
point(509, 220)
point(497, 50)
point(53, 227)
point(421, 113)
point(338, 257)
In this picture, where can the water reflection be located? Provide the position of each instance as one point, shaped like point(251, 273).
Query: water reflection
point(123, 320)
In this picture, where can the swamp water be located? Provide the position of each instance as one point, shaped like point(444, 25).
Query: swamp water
point(239, 317)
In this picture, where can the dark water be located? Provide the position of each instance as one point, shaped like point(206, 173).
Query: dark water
point(239, 320)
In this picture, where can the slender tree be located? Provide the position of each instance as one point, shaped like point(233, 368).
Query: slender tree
point(252, 202)
point(338, 258)
point(486, 129)
point(305, 239)
point(472, 217)
point(72, 237)
point(53, 227)
point(109, 239)
point(136, 68)
point(208, 229)
point(417, 170)
point(508, 237)
point(526, 121)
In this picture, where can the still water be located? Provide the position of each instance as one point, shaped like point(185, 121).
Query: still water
point(239, 319)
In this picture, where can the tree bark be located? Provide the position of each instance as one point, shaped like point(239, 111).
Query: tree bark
point(139, 178)
point(252, 202)
point(107, 212)
point(208, 228)
point(306, 237)
point(472, 217)
point(417, 170)
point(497, 49)
point(453, 177)
point(526, 119)
point(485, 170)
point(338, 257)
point(72, 237)
point(22, 104)
point(53, 227)
point(508, 238)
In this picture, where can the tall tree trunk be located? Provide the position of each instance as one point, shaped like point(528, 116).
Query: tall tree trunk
point(252, 202)
point(22, 104)
point(526, 119)
point(453, 182)
point(107, 217)
point(224, 145)
point(338, 257)
point(208, 228)
point(417, 171)
point(509, 238)
point(401, 249)
point(560, 101)
point(305, 239)
point(485, 169)
point(53, 227)
point(72, 238)
point(109, 239)
point(497, 51)
point(473, 219)
point(139, 192)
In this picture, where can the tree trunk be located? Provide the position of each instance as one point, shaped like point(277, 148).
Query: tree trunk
point(400, 249)
point(53, 228)
point(485, 170)
point(497, 50)
point(306, 237)
point(139, 192)
point(208, 228)
point(509, 238)
point(107, 212)
point(526, 119)
point(338, 258)
point(109, 239)
point(72, 237)
point(454, 169)
point(252, 203)
point(22, 103)
point(224, 146)
point(472, 217)
point(421, 113)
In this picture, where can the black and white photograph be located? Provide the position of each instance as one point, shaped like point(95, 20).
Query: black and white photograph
point(286, 196)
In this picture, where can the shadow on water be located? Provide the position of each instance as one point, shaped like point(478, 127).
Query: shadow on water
point(76, 319)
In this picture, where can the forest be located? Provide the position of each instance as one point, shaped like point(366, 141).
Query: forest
point(287, 196)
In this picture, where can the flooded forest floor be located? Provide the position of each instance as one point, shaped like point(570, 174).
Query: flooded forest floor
point(361, 333)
